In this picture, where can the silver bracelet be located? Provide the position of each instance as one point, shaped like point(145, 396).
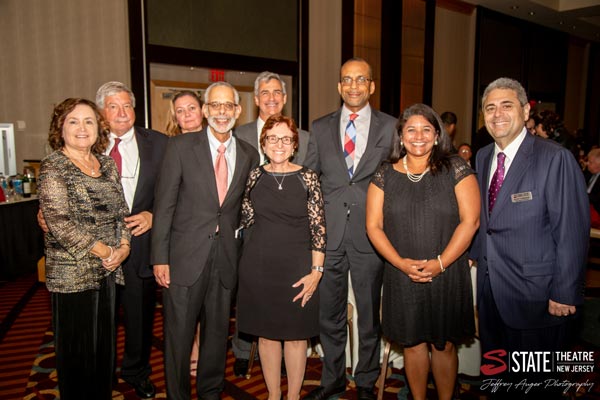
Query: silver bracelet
point(317, 268)
point(441, 265)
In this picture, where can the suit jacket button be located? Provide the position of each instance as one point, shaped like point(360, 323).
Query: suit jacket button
point(489, 232)
point(219, 214)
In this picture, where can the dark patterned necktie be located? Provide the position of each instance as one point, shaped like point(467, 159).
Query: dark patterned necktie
point(497, 181)
point(350, 144)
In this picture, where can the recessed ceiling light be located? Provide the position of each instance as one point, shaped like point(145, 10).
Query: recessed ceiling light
point(561, 23)
point(514, 7)
point(574, 27)
point(531, 13)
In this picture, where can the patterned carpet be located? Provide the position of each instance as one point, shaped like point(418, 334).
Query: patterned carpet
point(27, 357)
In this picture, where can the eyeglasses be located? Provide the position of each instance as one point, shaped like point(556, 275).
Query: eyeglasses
point(360, 80)
point(216, 106)
point(287, 140)
point(131, 175)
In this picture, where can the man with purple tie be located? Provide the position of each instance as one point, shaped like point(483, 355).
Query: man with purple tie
point(534, 230)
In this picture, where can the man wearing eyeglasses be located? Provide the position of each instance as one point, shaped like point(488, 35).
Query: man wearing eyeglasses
point(194, 245)
point(345, 148)
point(270, 97)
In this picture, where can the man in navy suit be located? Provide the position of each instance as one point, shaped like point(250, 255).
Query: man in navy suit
point(533, 238)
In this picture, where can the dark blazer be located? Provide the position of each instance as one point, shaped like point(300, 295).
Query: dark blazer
point(249, 134)
point(342, 194)
point(151, 148)
point(534, 244)
point(187, 211)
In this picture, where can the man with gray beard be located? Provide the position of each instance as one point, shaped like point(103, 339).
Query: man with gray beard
point(194, 248)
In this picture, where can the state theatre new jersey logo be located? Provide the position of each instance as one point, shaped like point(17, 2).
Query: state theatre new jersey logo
point(536, 370)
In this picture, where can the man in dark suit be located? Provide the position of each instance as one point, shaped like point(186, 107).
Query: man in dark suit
point(270, 97)
point(345, 148)
point(194, 249)
point(533, 238)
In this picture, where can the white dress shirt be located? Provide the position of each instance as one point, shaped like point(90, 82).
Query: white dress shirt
point(230, 152)
point(259, 126)
point(130, 163)
point(362, 124)
point(510, 152)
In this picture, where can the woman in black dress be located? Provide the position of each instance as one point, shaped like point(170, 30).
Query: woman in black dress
point(422, 212)
point(282, 261)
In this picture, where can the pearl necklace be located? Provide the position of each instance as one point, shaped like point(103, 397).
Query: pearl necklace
point(413, 177)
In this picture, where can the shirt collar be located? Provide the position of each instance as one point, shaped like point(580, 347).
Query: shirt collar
point(127, 137)
point(214, 142)
point(511, 150)
point(259, 125)
point(364, 113)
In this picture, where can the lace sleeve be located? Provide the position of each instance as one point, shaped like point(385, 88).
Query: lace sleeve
point(378, 177)
point(247, 207)
point(460, 169)
point(316, 211)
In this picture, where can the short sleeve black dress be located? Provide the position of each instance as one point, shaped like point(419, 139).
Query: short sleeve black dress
point(285, 221)
point(419, 219)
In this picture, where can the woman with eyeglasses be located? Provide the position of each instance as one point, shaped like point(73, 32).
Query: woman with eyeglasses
point(283, 256)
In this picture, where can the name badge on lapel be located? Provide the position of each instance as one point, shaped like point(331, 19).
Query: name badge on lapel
point(519, 197)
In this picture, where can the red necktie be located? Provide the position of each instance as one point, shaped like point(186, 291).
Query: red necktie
point(116, 155)
point(221, 173)
point(497, 181)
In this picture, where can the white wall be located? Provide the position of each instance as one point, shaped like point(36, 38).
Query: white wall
point(54, 49)
point(453, 69)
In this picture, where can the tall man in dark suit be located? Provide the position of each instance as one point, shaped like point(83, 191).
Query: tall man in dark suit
point(533, 238)
point(270, 97)
point(345, 148)
point(194, 249)
point(140, 151)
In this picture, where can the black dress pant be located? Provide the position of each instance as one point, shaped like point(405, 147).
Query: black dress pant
point(138, 298)
point(84, 340)
point(366, 272)
point(208, 301)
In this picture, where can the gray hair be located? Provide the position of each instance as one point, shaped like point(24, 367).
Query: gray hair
point(506, 83)
point(266, 76)
point(236, 95)
point(110, 89)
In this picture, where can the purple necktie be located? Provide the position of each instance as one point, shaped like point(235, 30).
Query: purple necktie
point(497, 181)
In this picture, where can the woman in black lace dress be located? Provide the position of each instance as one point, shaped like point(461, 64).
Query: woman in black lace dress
point(422, 212)
point(282, 261)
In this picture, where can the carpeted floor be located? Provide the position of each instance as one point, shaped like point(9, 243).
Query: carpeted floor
point(27, 355)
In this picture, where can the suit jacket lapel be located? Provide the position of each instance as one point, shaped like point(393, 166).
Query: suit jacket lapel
point(145, 154)
point(239, 177)
point(204, 157)
point(334, 128)
point(517, 169)
point(372, 140)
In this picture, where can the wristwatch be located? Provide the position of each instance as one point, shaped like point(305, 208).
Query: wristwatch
point(317, 268)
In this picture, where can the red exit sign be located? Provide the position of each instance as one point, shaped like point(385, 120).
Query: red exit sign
point(217, 75)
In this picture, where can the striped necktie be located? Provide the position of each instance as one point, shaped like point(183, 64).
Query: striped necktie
point(350, 144)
